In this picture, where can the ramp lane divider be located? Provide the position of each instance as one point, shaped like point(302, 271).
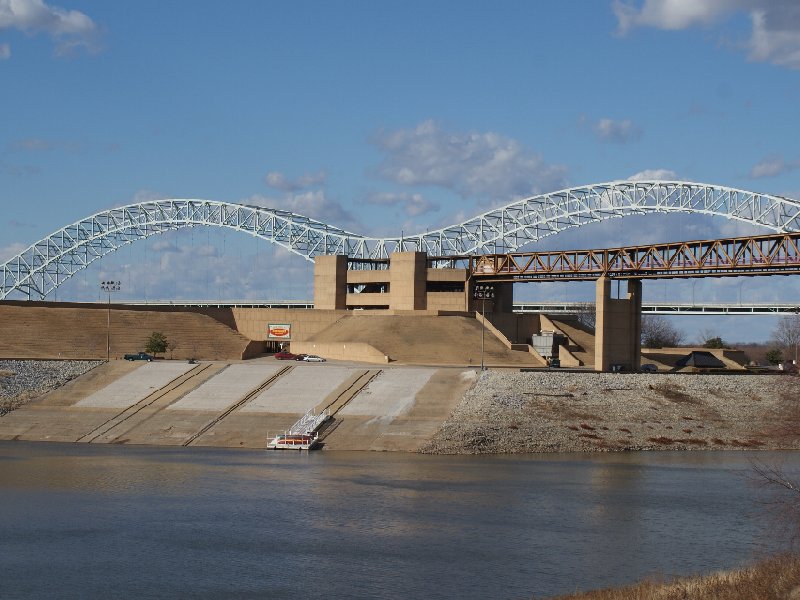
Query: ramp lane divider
point(361, 382)
point(350, 392)
point(249, 396)
point(144, 403)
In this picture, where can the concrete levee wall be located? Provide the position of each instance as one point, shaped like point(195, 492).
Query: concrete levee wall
point(84, 330)
point(357, 351)
point(516, 327)
point(506, 342)
point(567, 358)
point(253, 322)
point(445, 301)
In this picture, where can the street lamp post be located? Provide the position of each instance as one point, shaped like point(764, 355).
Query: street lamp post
point(108, 287)
point(482, 292)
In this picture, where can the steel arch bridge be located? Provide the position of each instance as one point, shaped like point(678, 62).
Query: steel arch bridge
point(41, 268)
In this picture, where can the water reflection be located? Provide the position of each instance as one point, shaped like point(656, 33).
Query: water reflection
point(99, 521)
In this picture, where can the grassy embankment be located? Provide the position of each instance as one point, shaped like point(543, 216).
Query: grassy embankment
point(774, 579)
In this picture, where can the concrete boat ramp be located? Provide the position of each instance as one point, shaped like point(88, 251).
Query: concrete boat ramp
point(241, 404)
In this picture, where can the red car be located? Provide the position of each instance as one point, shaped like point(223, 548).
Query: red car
point(285, 356)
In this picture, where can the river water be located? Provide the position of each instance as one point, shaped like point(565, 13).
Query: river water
point(84, 521)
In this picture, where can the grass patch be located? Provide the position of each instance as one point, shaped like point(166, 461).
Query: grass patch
point(774, 579)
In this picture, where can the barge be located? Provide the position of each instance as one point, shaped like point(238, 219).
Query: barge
point(294, 441)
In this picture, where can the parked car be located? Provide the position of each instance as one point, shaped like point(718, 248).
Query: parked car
point(140, 356)
point(285, 356)
point(300, 356)
point(648, 368)
point(313, 358)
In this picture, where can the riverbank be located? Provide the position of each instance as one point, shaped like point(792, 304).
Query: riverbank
point(23, 380)
point(550, 411)
point(774, 579)
point(433, 411)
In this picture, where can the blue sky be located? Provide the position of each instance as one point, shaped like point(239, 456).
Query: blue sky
point(386, 116)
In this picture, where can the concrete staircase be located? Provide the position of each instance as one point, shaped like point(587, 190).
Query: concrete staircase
point(34, 330)
point(581, 338)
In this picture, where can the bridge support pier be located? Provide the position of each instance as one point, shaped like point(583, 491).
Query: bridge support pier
point(618, 326)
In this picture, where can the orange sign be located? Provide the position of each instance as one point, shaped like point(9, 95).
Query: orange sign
point(279, 331)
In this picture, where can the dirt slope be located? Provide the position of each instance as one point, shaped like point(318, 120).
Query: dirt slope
point(452, 340)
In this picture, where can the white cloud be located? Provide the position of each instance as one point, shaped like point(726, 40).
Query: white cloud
point(5, 51)
point(147, 196)
point(12, 249)
point(773, 166)
point(619, 132)
point(654, 174)
point(70, 29)
point(164, 246)
point(671, 14)
point(279, 181)
point(413, 205)
point(472, 164)
point(32, 145)
point(314, 204)
point(775, 35)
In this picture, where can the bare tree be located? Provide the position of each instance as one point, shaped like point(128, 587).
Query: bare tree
point(706, 335)
point(658, 332)
point(784, 501)
point(787, 334)
point(586, 313)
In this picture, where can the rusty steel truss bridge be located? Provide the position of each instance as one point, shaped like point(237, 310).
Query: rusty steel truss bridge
point(775, 254)
point(42, 267)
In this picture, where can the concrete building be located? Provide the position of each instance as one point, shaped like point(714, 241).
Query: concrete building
point(407, 281)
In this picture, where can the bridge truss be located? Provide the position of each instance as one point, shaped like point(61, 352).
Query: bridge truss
point(728, 257)
point(41, 268)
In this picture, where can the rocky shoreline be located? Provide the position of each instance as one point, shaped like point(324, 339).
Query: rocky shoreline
point(551, 411)
point(22, 380)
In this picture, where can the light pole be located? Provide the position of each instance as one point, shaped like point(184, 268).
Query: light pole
point(482, 292)
point(108, 287)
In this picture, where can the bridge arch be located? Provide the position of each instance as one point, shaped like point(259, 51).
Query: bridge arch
point(42, 267)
